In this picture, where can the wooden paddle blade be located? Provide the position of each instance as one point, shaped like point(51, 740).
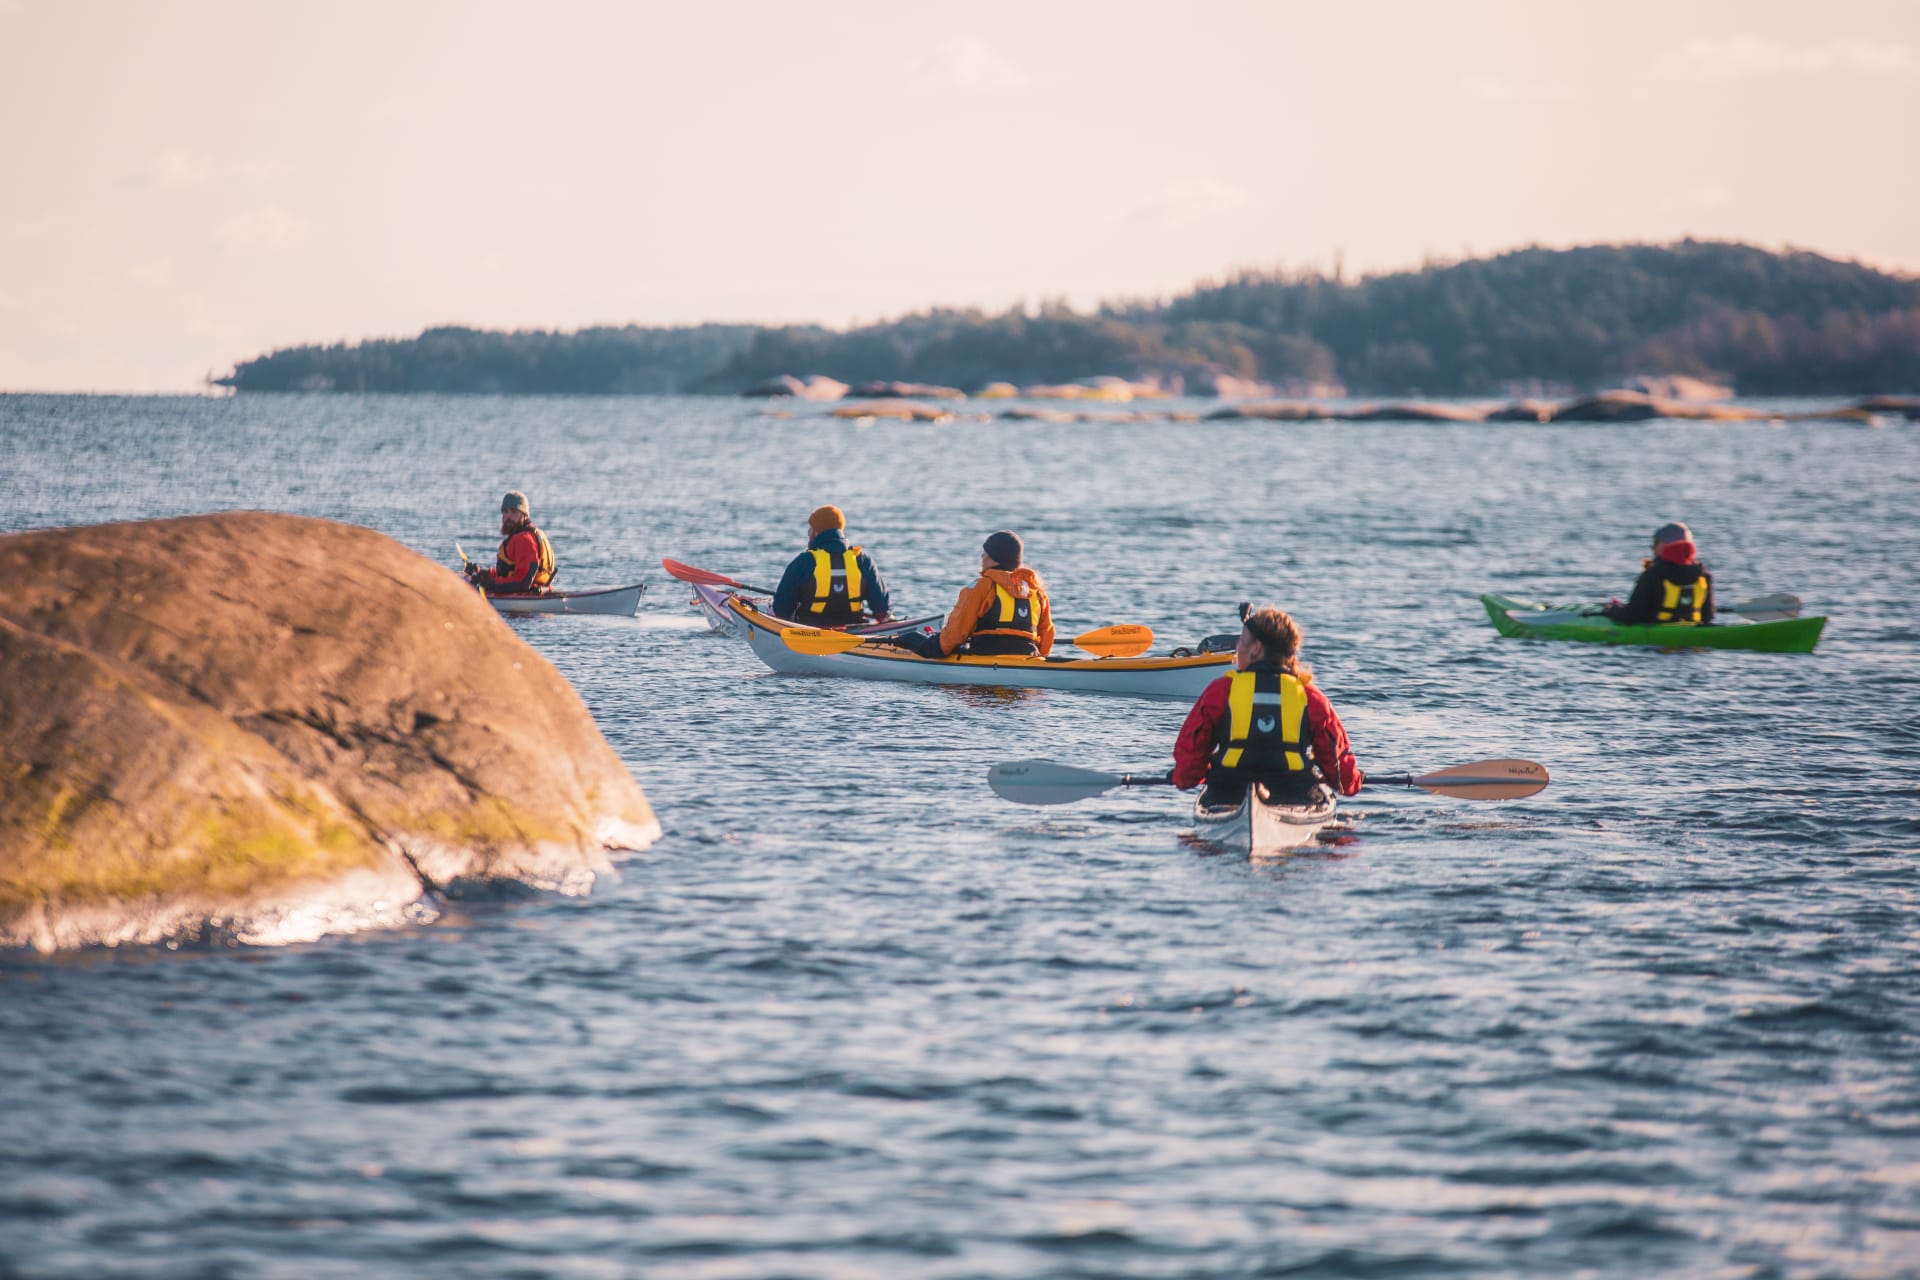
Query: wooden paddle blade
point(819, 643)
point(1043, 782)
point(1486, 780)
point(1123, 640)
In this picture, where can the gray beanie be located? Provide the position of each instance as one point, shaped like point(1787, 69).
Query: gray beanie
point(1673, 532)
point(1003, 548)
point(515, 501)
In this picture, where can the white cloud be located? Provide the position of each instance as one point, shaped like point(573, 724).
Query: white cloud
point(1745, 57)
point(267, 227)
point(1511, 92)
point(1182, 204)
point(177, 168)
point(968, 62)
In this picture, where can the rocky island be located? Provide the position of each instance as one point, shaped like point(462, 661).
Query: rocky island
point(266, 727)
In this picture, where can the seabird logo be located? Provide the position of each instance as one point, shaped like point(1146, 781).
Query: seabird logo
point(1265, 724)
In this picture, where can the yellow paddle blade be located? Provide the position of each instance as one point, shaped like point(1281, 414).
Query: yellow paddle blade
point(1124, 640)
point(819, 643)
point(463, 554)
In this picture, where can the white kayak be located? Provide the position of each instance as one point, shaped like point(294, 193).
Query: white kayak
point(1172, 678)
point(620, 602)
point(712, 603)
point(1261, 828)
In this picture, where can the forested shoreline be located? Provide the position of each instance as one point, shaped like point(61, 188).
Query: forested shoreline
point(1762, 322)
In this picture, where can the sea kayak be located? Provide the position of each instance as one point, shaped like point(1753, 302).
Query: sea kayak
point(712, 603)
point(621, 602)
point(1173, 678)
point(1261, 827)
point(1534, 621)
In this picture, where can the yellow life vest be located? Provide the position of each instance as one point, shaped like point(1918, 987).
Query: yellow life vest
point(1011, 615)
point(1682, 604)
point(837, 590)
point(543, 572)
point(1265, 729)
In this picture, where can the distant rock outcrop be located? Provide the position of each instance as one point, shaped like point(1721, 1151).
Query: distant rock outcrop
point(816, 387)
point(907, 391)
point(1228, 387)
point(1523, 411)
point(275, 727)
point(1415, 411)
point(900, 410)
point(1275, 411)
point(1637, 406)
point(1676, 386)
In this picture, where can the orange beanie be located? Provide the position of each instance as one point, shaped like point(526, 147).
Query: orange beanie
point(825, 518)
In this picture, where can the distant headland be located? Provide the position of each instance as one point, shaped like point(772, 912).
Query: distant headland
point(1528, 322)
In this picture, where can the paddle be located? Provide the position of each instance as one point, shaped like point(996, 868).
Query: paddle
point(1123, 640)
point(1043, 782)
point(708, 578)
point(1773, 608)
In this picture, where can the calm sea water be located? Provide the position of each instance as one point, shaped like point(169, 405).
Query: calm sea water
point(854, 1017)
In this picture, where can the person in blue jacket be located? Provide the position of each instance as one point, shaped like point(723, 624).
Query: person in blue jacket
point(831, 584)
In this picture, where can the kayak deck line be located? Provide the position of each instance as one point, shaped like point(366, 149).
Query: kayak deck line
point(1163, 677)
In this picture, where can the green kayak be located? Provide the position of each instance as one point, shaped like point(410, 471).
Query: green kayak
point(1533, 621)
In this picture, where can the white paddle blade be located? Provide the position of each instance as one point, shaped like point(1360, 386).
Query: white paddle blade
point(1780, 605)
point(1043, 782)
point(1487, 780)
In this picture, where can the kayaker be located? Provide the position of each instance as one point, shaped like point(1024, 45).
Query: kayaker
point(1004, 611)
point(1674, 588)
point(1266, 722)
point(830, 584)
point(524, 563)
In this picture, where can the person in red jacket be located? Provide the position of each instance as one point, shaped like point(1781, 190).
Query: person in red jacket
point(525, 561)
point(1266, 722)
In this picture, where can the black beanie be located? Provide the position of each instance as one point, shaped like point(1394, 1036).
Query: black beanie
point(1003, 548)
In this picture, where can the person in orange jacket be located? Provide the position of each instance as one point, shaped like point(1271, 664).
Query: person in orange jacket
point(525, 561)
point(1004, 611)
point(1266, 722)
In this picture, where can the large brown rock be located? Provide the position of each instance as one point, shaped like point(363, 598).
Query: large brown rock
point(279, 727)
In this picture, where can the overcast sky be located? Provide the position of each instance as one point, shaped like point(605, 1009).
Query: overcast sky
point(187, 184)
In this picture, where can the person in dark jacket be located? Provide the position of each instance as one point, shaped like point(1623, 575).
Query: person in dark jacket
point(1674, 588)
point(831, 584)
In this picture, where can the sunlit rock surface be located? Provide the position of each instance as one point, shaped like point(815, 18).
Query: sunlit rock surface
point(271, 727)
point(907, 391)
point(900, 410)
point(815, 387)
